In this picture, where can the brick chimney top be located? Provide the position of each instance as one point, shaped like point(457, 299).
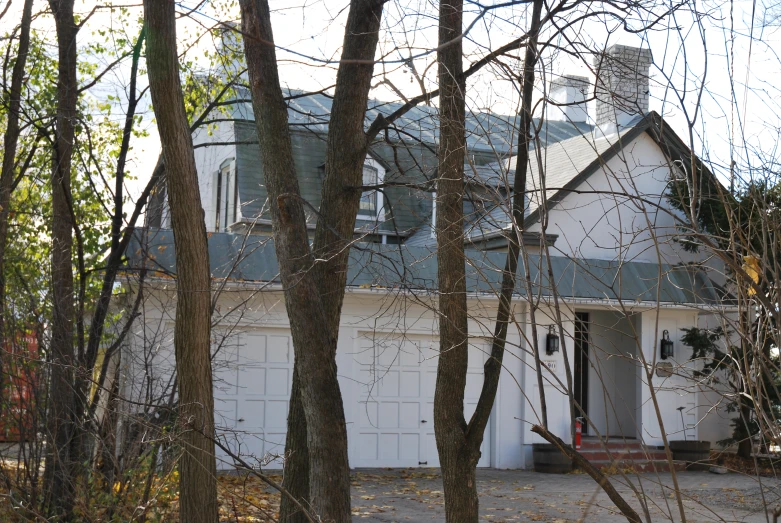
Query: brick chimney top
point(622, 86)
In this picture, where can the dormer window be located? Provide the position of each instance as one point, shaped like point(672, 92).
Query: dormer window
point(371, 204)
point(225, 196)
point(369, 198)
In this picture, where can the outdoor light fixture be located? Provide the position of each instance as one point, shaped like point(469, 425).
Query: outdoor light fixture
point(552, 342)
point(667, 345)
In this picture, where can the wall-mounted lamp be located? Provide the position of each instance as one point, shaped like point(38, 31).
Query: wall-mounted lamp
point(667, 345)
point(552, 341)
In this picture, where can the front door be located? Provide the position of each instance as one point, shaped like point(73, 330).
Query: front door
point(581, 363)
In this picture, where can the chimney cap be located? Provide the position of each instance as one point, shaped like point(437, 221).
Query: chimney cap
point(570, 80)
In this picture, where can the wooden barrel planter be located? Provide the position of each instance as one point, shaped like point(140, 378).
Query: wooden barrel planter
point(549, 459)
point(696, 454)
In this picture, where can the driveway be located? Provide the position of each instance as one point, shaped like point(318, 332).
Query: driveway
point(512, 495)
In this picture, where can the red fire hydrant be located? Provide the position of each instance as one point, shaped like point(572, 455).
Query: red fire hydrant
point(578, 432)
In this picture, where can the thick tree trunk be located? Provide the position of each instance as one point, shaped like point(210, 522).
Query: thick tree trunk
point(457, 459)
point(59, 481)
point(197, 467)
point(459, 443)
point(314, 324)
point(345, 155)
point(296, 468)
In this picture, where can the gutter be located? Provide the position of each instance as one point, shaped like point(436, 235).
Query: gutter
point(490, 296)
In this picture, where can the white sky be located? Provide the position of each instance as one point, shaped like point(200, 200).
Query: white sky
point(314, 28)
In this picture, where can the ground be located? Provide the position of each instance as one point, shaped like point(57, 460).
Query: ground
point(398, 495)
point(416, 495)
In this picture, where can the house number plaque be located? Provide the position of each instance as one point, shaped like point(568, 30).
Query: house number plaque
point(664, 369)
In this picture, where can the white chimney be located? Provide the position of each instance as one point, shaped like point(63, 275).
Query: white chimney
point(622, 86)
point(568, 96)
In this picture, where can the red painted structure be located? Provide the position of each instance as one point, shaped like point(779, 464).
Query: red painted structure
point(20, 379)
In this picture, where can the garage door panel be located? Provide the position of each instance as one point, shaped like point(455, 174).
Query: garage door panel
point(368, 415)
point(279, 349)
point(225, 413)
point(278, 381)
point(432, 456)
point(253, 414)
point(430, 383)
point(389, 415)
point(388, 356)
point(276, 414)
point(389, 447)
point(409, 417)
point(253, 348)
point(410, 383)
point(389, 384)
point(368, 444)
point(410, 448)
point(252, 380)
point(410, 355)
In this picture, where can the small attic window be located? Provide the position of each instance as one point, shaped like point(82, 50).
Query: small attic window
point(369, 198)
point(371, 203)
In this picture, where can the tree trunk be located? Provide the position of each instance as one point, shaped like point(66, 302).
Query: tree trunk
point(10, 143)
point(493, 367)
point(347, 145)
point(745, 445)
point(314, 325)
point(296, 468)
point(59, 483)
point(457, 460)
point(197, 467)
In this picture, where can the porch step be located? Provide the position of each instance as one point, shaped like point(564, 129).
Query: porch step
point(625, 454)
point(639, 466)
point(588, 443)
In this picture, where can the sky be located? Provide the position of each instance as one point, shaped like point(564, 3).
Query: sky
point(694, 59)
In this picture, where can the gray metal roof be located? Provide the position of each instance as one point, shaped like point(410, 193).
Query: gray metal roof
point(562, 163)
point(486, 131)
point(252, 258)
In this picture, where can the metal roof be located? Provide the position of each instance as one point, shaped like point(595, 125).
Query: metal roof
point(253, 259)
point(485, 131)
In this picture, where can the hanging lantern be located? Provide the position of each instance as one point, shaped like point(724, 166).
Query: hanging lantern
point(552, 341)
point(667, 345)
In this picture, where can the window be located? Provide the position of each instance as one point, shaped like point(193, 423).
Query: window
point(371, 203)
point(434, 214)
point(225, 196)
point(369, 198)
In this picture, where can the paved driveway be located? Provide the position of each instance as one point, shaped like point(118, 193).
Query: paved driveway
point(416, 495)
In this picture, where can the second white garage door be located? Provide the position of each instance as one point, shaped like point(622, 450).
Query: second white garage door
point(394, 388)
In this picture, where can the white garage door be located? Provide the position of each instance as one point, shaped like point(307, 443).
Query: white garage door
point(391, 394)
point(394, 423)
point(253, 372)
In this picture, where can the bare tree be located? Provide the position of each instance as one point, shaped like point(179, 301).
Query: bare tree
point(59, 484)
point(10, 142)
point(314, 293)
point(198, 489)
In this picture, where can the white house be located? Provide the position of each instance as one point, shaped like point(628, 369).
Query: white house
point(600, 216)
